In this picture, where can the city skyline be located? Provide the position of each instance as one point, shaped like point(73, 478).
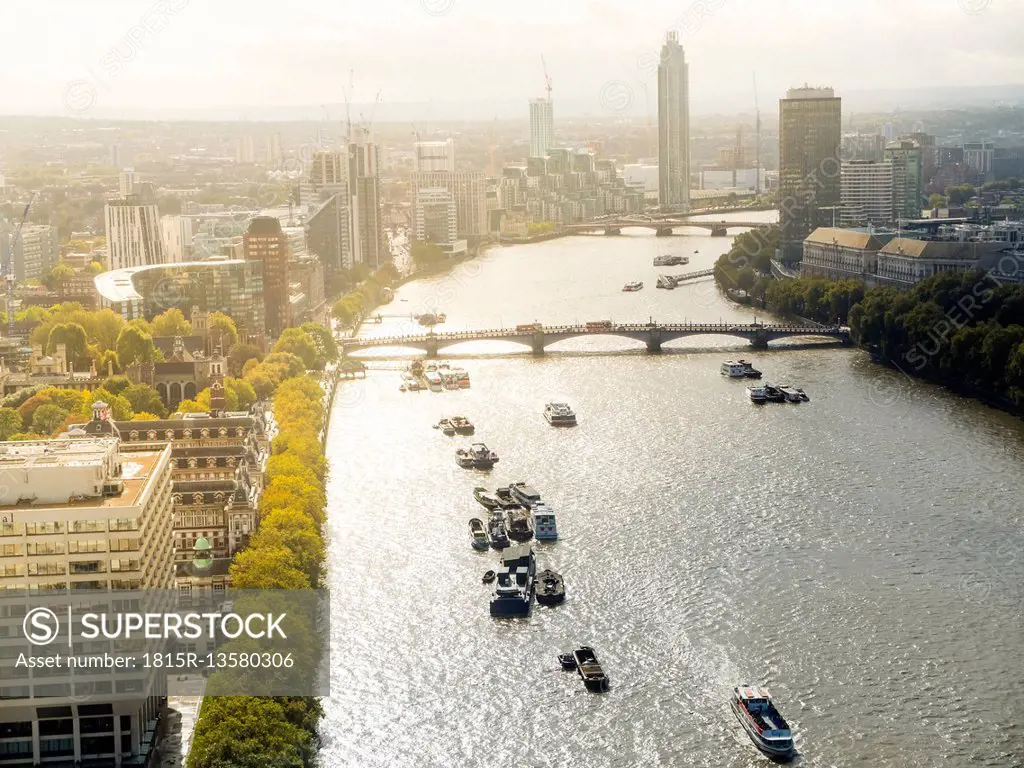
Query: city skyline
point(108, 71)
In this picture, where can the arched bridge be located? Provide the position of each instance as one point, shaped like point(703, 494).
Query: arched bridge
point(652, 334)
point(660, 226)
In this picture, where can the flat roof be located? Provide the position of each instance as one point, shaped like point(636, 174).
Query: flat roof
point(119, 284)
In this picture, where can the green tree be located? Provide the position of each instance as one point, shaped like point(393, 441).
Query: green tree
point(72, 336)
point(427, 254)
point(47, 418)
point(143, 397)
point(58, 278)
point(297, 342)
point(936, 201)
point(240, 354)
point(116, 384)
point(267, 568)
point(135, 345)
point(222, 330)
point(323, 339)
point(10, 423)
point(171, 323)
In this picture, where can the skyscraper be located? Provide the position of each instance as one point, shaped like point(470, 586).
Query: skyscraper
point(908, 185)
point(542, 127)
point(265, 242)
point(364, 205)
point(435, 156)
point(809, 165)
point(133, 227)
point(36, 251)
point(866, 192)
point(673, 127)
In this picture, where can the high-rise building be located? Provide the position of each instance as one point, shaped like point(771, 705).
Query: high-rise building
point(469, 191)
point(978, 157)
point(266, 243)
point(275, 150)
point(79, 516)
point(809, 165)
point(435, 156)
point(176, 232)
point(866, 192)
point(366, 229)
point(133, 226)
point(673, 127)
point(245, 150)
point(36, 250)
point(328, 175)
point(907, 178)
point(434, 216)
point(327, 236)
point(542, 127)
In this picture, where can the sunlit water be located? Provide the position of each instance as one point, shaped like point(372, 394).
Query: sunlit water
point(861, 554)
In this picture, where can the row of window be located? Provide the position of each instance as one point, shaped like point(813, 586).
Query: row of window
point(75, 526)
point(186, 434)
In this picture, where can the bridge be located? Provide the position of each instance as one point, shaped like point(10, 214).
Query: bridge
point(539, 337)
point(661, 226)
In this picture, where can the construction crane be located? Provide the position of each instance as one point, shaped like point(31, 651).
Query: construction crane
point(757, 140)
point(347, 94)
point(492, 169)
point(547, 79)
point(367, 124)
point(9, 278)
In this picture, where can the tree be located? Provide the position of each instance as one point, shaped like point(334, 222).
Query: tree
point(960, 194)
point(267, 568)
point(240, 392)
point(222, 330)
point(191, 406)
point(10, 423)
point(143, 397)
point(47, 418)
point(936, 201)
point(116, 384)
point(387, 274)
point(323, 339)
point(427, 254)
point(72, 336)
point(240, 354)
point(134, 345)
point(59, 277)
point(293, 530)
point(107, 361)
point(120, 408)
point(144, 416)
point(171, 323)
point(299, 343)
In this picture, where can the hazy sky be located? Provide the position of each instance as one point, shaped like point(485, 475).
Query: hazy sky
point(98, 57)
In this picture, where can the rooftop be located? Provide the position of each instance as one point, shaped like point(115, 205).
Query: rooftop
point(845, 238)
point(119, 284)
point(950, 250)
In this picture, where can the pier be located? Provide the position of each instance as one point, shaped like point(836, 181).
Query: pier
point(654, 335)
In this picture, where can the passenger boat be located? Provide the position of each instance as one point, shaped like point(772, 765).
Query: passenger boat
point(478, 534)
point(434, 381)
point(791, 395)
point(446, 427)
point(524, 494)
point(513, 594)
point(590, 670)
point(630, 287)
point(461, 377)
point(545, 527)
point(477, 456)
point(757, 394)
point(485, 498)
point(764, 725)
point(519, 523)
point(462, 425)
point(560, 415)
point(733, 369)
point(749, 370)
point(550, 588)
point(773, 394)
point(496, 535)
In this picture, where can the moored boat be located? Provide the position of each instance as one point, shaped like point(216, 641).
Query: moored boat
point(773, 394)
point(631, 287)
point(590, 670)
point(749, 370)
point(434, 381)
point(803, 395)
point(513, 594)
point(505, 497)
point(550, 588)
point(560, 415)
point(733, 369)
point(497, 537)
point(489, 576)
point(477, 456)
point(519, 523)
point(446, 427)
point(666, 281)
point(757, 394)
point(567, 660)
point(485, 498)
point(524, 494)
point(478, 534)
point(791, 394)
point(769, 731)
point(545, 528)
point(462, 425)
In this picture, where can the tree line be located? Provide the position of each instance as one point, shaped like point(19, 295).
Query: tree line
point(351, 308)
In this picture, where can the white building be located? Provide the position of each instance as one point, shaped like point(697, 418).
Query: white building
point(673, 126)
point(176, 233)
point(126, 182)
point(468, 190)
point(435, 156)
point(77, 514)
point(134, 237)
point(865, 192)
point(245, 150)
point(542, 127)
point(36, 251)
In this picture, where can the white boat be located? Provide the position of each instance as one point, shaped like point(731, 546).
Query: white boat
point(758, 394)
point(768, 729)
point(560, 415)
point(733, 369)
point(545, 528)
point(630, 287)
point(434, 381)
point(791, 394)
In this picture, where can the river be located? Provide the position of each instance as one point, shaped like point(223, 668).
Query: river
point(860, 554)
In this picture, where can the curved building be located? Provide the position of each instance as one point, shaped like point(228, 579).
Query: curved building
point(232, 286)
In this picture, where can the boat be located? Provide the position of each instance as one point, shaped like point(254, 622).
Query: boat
point(461, 377)
point(769, 731)
point(485, 498)
point(462, 425)
point(496, 535)
point(505, 497)
point(519, 523)
point(666, 281)
point(749, 370)
point(513, 594)
point(477, 456)
point(434, 381)
point(544, 524)
point(478, 534)
point(790, 394)
point(803, 395)
point(590, 670)
point(733, 369)
point(524, 494)
point(567, 660)
point(630, 287)
point(560, 415)
point(550, 588)
point(446, 427)
point(669, 260)
point(489, 576)
point(773, 394)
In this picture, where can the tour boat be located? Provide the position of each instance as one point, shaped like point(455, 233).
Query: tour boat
point(791, 395)
point(434, 381)
point(477, 456)
point(769, 731)
point(590, 670)
point(749, 370)
point(733, 369)
point(630, 287)
point(462, 425)
point(519, 523)
point(513, 595)
point(478, 534)
point(496, 535)
point(524, 494)
point(560, 415)
point(545, 527)
point(550, 588)
point(757, 394)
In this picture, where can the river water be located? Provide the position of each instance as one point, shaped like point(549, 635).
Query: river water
point(861, 554)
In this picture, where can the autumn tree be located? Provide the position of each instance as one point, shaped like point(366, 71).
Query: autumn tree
point(134, 345)
point(171, 323)
point(143, 397)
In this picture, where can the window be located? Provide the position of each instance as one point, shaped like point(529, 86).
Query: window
point(47, 569)
point(11, 529)
point(87, 526)
point(42, 529)
point(11, 550)
point(124, 524)
point(86, 547)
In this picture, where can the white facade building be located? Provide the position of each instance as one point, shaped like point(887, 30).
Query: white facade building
point(134, 237)
point(866, 192)
point(176, 233)
point(468, 190)
point(542, 127)
point(435, 156)
point(36, 251)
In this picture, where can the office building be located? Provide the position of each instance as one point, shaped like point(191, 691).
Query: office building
point(327, 235)
point(673, 127)
point(468, 190)
point(907, 180)
point(866, 193)
point(80, 514)
point(265, 242)
point(176, 233)
point(328, 175)
point(542, 127)
point(133, 227)
point(435, 156)
point(809, 165)
point(36, 251)
point(978, 157)
point(366, 227)
point(434, 216)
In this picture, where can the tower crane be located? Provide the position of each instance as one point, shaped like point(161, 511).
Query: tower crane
point(9, 278)
point(547, 78)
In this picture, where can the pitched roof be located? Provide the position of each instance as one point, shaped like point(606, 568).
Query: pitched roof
point(845, 238)
point(939, 249)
